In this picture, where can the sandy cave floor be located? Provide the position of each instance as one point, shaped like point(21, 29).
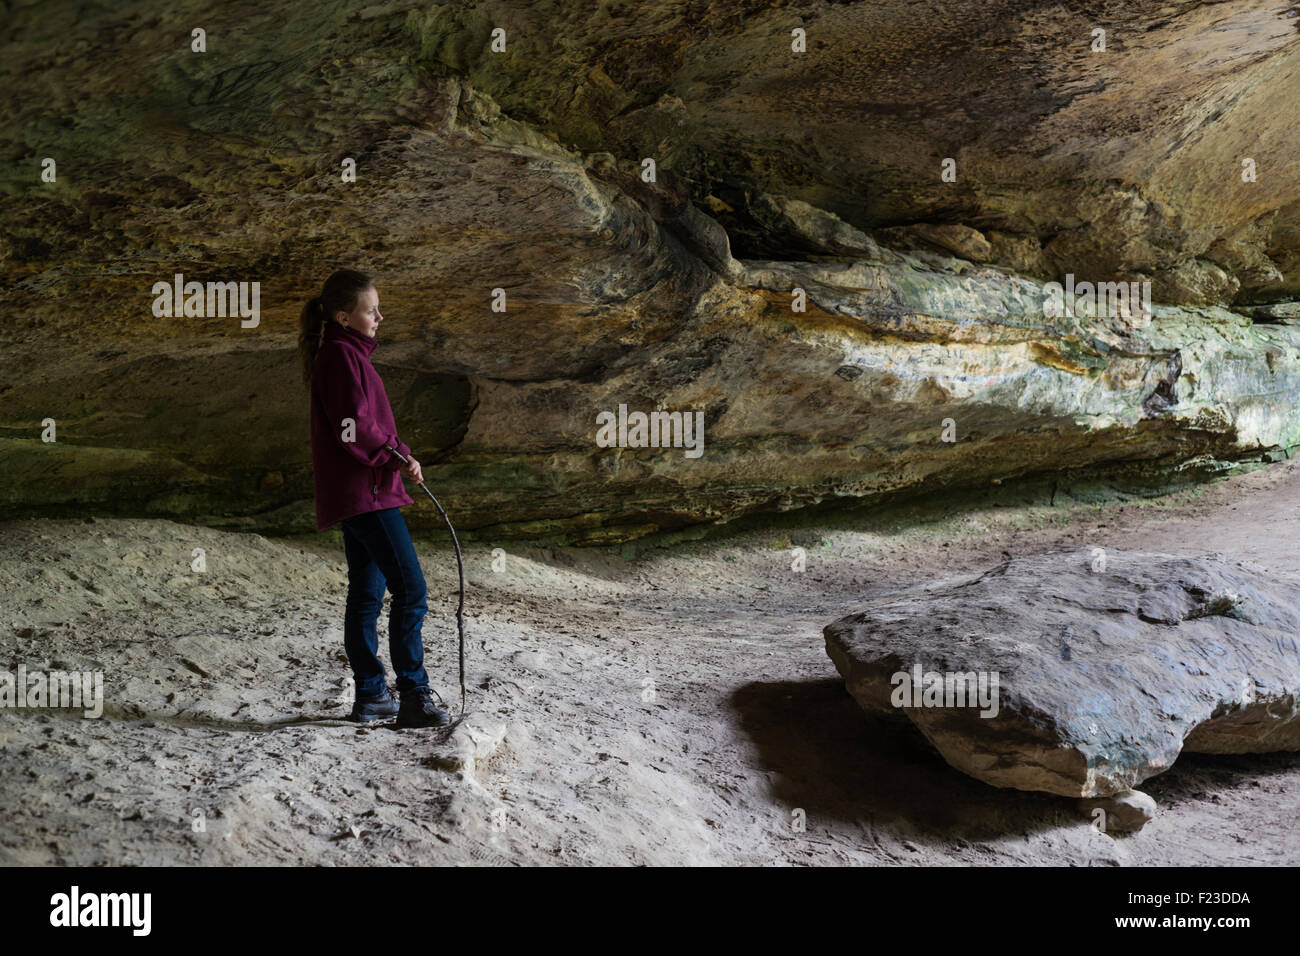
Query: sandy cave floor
point(674, 708)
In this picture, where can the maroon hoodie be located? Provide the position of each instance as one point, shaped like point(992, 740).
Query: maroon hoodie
point(361, 475)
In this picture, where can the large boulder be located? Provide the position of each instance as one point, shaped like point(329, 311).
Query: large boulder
point(1089, 671)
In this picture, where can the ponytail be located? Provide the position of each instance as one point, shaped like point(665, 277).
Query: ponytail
point(338, 295)
point(311, 333)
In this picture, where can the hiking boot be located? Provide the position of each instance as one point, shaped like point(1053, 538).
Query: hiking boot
point(366, 709)
point(419, 710)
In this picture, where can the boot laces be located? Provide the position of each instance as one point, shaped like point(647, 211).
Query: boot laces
point(428, 693)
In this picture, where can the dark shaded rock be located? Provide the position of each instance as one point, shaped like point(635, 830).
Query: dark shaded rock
point(1122, 160)
point(960, 240)
point(1103, 676)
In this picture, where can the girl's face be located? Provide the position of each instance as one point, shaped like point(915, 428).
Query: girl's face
point(365, 316)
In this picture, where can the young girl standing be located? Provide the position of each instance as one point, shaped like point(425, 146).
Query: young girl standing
point(358, 485)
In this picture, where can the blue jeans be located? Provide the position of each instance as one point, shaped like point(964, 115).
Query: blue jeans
point(380, 555)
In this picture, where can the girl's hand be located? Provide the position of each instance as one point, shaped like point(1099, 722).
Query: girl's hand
point(412, 469)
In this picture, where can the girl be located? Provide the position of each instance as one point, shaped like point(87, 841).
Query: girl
point(358, 487)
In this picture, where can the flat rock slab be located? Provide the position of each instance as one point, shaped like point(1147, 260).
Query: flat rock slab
point(1102, 666)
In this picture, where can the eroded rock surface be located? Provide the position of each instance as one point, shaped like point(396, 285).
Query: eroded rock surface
point(523, 171)
point(1107, 666)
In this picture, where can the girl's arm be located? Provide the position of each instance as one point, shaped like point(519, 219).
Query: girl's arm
point(342, 396)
